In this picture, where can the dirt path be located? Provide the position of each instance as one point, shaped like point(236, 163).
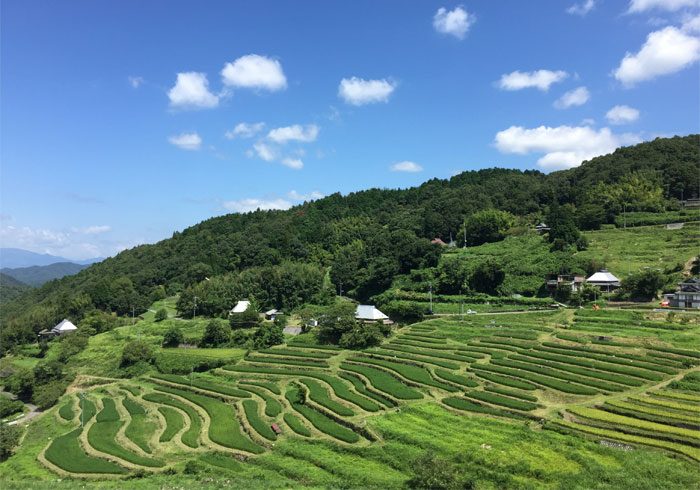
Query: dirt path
point(33, 412)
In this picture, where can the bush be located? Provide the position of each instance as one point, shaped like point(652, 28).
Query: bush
point(46, 395)
point(9, 438)
point(434, 473)
point(21, 383)
point(136, 351)
point(405, 311)
point(216, 334)
point(643, 285)
point(281, 320)
point(72, 345)
point(46, 372)
point(161, 315)
point(8, 407)
point(268, 335)
point(173, 337)
point(361, 336)
point(248, 319)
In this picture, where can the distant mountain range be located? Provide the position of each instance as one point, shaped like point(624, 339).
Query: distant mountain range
point(12, 258)
point(37, 275)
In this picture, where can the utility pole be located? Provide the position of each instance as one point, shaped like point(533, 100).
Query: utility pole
point(624, 214)
point(465, 233)
point(194, 309)
point(133, 315)
point(340, 288)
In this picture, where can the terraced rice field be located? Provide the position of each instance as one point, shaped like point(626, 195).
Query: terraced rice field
point(618, 390)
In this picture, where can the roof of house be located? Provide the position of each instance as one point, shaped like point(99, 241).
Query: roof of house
point(273, 311)
point(603, 276)
point(64, 326)
point(438, 241)
point(691, 285)
point(369, 312)
point(241, 306)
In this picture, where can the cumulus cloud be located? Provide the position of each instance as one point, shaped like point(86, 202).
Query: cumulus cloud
point(96, 229)
point(252, 204)
point(311, 196)
point(186, 141)
point(294, 163)
point(136, 82)
point(245, 130)
point(637, 6)
point(453, 22)
point(71, 244)
point(563, 146)
point(540, 79)
point(191, 91)
point(581, 8)
point(406, 166)
point(691, 24)
point(622, 114)
point(254, 71)
point(575, 97)
point(666, 51)
point(296, 132)
point(358, 91)
point(264, 151)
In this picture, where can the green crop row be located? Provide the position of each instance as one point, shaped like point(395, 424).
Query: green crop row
point(250, 407)
point(66, 411)
point(547, 381)
point(456, 378)
point(679, 352)
point(425, 340)
point(511, 393)
point(224, 428)
point(494, 353)
point(279, 351)
point(503, 380)
point(500, 400)
point(514, 343)
point(296, 425)
point(554, 373)
point(383, 381)
point(319, 420)
point(676, 405)
point(470, 406)
point(412, 372)
point(263, 384)
point(203, 384)
point(430, 335)
point(319, 394)
point(140, 427)
point(634, 439)
point(589, 373)
point(173, 423)
point(191, 436)
point(267, 359)
point(272, 407)
point(680, 395)
point(516, 334)
point(623, 359)
point(360, 387)
point(412, 343)
point(651, 415)
point(134, 390)
point(436, 354)
point(413, 357)
point(102, 436)
point(341, 389)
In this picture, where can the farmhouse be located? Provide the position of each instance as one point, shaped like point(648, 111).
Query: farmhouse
point(542, 228)
point(62, 328)
point(687, 295)
point(604, 280)
point(564, 280)
point(272, 314)
point(241, 306)
point(369, 313)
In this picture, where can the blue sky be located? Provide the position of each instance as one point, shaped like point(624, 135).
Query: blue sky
point(125, 121)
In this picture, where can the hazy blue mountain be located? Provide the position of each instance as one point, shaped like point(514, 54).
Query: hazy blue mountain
point(37, 275)
point(12, 258)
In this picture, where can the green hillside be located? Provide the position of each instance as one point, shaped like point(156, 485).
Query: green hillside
point(10, 288)
point(39, 274)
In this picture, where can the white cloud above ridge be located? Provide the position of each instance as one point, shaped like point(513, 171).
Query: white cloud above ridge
point(191, 91)
point(572, 98)
point(638, 6)
point(252, 204)
point(311, 196)
point(244, 130)
point(622, 114)
point(186, 141)
point(563, 146)
point(454, 22)
point(76, 243)
point(358, 91)
point(295, 132)
point(664, 52)
point(256, 72)
point(406, 166)
point(582, 8)
point(539, 79)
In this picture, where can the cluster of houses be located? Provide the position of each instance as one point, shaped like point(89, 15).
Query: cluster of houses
point(604, 279)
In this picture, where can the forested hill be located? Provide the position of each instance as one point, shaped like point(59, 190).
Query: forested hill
point(365, 238)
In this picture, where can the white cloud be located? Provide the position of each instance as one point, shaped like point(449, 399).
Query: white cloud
point(664, 52)
point(691, 24)
point(191, 91)
point(245, 130)
point(581, 8)
point(70, 244)
point(637, 6)
point(96, 229)
point(453, 22)
point(622, 114)
point(136, 82)
point(357, 91)
point(186, 141)
point(313, 195)
point(296, 132)
point(254, 71)
point(264, 152)
point(406, 166)
point(575, 97)
point(294, 163)
point(540, 79)
point(563, 146)
point(251, 204)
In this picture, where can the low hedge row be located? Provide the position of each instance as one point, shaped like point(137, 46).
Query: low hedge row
point(280, 351)
point(267, 359)
point(675, 405)
point(469, 406)
point(413, 357)
point(581, 355)
point(456, 378)
point(263, 384)
point(511, 393)
point(651, 415)
point(383, 381)
point(504, 401)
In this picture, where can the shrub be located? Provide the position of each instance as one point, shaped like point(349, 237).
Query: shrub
point(46, 395)
point(173, 337)
point(216, 334)
point(405, 311)
point(247, 319)
point(46, 372)
point(361, 336)
point(161, 315)
point(8, 407)
point(434, 473)
point(136, 351)
point(268, 335)
point(9, 438)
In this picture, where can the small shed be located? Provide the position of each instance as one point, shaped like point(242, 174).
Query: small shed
point(64, 327)
point(604, 280)
point(272, 314)
point(369, 313)
point(241, 306)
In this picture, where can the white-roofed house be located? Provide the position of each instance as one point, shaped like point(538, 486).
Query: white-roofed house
point(64, 327)
point(369, 313)
point(241, 306)
point(604, 280)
